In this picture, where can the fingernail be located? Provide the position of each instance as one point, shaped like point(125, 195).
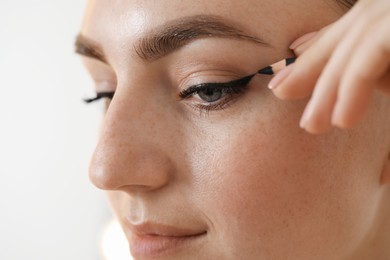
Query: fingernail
point(302, 123)
point(280, 76)
point(306, 115)
point(335, 117)
point(302, 40)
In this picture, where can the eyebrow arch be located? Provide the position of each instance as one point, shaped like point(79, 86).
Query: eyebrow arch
point(88, 48)
point(173, 35)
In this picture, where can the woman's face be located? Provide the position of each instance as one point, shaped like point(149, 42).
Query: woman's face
point(223, 173)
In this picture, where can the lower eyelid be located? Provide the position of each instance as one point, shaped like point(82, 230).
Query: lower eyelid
point(215, 107)
point(226, 101)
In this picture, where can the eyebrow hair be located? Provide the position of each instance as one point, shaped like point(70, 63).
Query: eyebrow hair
point(88, 48)
point(173, 35)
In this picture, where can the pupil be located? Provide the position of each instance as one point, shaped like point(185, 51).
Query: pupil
point(210, 94)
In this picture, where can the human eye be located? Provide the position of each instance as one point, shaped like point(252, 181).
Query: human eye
point(106, 96)
point(104, 82)
point(215, 96)
point(100, 95)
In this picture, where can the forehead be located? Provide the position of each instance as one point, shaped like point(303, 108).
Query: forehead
point(117, 25)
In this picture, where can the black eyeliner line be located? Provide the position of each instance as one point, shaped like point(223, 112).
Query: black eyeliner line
point(231, 84)
point(269, 70)
point(194, 89)
point(100, 95)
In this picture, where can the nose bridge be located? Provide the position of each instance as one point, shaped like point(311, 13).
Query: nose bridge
point(132, 152)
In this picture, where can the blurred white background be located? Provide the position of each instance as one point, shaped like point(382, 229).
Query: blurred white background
point(48, 208)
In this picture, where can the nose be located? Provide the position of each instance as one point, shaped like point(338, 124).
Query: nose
point(133, 152)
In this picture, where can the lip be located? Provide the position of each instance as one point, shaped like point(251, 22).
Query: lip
point(151, 240)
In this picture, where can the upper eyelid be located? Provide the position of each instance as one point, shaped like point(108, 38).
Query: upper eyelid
point(100, 95)
point(234, 83)
point(185, 93)
point(269, 70)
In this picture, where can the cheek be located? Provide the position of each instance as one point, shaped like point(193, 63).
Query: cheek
point(269, 183)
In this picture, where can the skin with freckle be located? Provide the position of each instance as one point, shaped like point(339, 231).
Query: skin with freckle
point(259, 185)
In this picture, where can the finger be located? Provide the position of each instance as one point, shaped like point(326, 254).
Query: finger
point(302, 40)
point(368, 65)
point(301, 80)
point(318, 113)
point(308, 40)
point(317, 117)
point(299, 50)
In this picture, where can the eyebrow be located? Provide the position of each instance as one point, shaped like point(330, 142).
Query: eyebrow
point(89, 48)
point(172, 36)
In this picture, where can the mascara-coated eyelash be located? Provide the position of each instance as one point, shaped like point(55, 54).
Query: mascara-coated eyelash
point(100, 95)
point(269, 70)
point(230, 87)
point(216, 96)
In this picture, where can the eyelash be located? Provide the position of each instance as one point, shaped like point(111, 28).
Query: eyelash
point(229, 91)
point(100, 95)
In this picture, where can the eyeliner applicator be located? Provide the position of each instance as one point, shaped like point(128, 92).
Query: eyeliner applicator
point(276, 67)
